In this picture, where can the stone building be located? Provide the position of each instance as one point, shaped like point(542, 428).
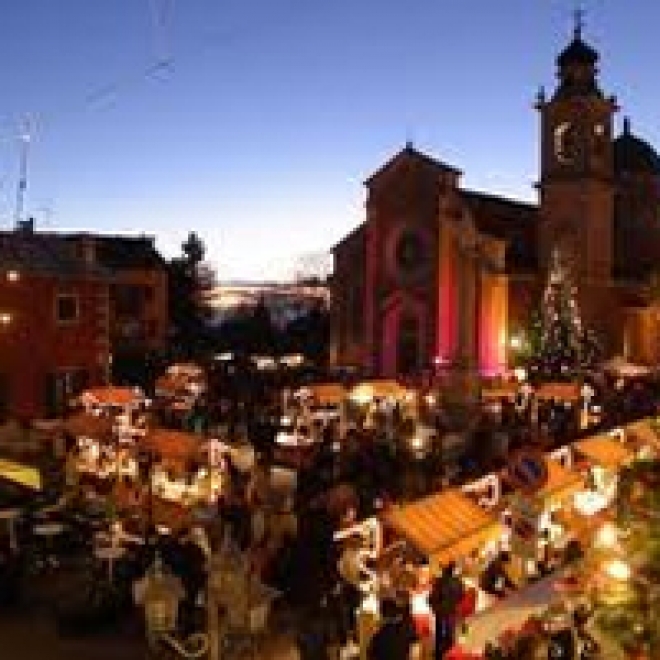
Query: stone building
point(440, 275)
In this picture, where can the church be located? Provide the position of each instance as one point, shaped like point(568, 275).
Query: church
point(439, 276)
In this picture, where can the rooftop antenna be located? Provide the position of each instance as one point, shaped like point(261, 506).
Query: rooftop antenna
point(162, 12)
point(25, 137)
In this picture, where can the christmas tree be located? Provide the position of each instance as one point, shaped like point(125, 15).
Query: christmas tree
point(628, 601)
point(561, 345)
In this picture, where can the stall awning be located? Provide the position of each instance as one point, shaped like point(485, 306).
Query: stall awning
point(444, 526)
point(642, 433)
point(170, 444)
point(327, 393)
point(559, 391)
point(379, 388)
point(504, 391)
point(619, 366)
point(604, 451)
point(87, 425)
point(18, 473)
point(561, 482)
point(112, 396)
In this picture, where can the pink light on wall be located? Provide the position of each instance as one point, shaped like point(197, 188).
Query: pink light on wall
point(396, 307)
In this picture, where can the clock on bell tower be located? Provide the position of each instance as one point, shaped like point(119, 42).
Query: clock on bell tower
point(576, 175)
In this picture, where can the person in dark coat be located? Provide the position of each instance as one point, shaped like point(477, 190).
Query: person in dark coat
point(495, 580)
point(446, 593)
point(396, 636)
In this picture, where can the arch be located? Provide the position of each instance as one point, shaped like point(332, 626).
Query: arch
point(404, 336)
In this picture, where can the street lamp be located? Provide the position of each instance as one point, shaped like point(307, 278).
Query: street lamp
point(160, 599)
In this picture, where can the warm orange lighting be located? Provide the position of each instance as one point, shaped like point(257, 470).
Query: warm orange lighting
point(13, 276)
point(5, 318)
point(618, 570)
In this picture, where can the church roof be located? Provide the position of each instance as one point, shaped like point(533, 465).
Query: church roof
point(410, 155)
point(510, 220)
point(634, 155)
point(355, 234)
point(577, 52)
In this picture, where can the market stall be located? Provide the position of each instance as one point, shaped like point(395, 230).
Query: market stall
point(604, 451)
point(323, 393)
point(111, 397)
point(600, 458)
point(536, 487)
point(182, 385)
point(88, 425)
point(642, 438)
point(566, 392)
point(443, 527)
point(380, 389)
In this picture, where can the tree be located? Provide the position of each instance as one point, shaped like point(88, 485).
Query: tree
point(188, 278)
point(560, 343)
point(309, 334)
point(631, 614)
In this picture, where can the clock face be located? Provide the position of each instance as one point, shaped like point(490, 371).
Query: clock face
point(566, 142)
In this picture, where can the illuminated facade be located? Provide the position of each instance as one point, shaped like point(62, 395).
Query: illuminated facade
point(440, 275)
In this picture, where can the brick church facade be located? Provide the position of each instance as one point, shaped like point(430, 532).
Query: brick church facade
point(437, 274)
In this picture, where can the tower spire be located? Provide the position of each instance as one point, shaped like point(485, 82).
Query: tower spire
point(578, 17)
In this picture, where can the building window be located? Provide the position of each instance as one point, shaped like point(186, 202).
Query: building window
point(67, 308)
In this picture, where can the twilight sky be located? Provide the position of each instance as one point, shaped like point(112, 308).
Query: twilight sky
point(272, 112)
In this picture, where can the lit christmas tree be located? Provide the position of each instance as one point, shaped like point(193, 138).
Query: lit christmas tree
point(628, 599)
point(561, 345)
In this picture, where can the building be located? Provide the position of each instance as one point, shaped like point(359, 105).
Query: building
point(139, 317)
point(54, 310)
point(441, 275)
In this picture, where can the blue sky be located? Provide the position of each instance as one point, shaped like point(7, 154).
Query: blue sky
point(273, 112)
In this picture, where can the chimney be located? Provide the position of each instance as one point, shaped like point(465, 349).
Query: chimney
point(88, 250)
point(25, 226)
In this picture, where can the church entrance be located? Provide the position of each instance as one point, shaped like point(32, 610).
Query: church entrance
point(408, 346)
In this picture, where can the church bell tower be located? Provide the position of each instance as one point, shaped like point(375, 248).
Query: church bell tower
point(576, 189)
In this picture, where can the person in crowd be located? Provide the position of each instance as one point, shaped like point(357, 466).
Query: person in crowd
point(395, 638)
point(495, 579)
point(546, 562)
point(446, 594)
point(188, 562)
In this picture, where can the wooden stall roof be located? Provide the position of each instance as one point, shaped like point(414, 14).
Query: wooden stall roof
point(19, 473)
point(604, 451)
point(641, 432)
point(176, 445)
point(379, 388)
point(500, 390)
point(112, 396)
point(561, 482)
point(90, 426)
point(328, 393)
point(561, 391)
point(444, 526)
point(619, 366)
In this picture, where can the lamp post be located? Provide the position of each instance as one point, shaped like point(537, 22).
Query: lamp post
point(161, 597)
